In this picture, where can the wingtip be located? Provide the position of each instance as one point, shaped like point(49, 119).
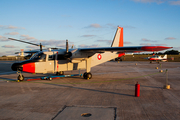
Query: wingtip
point(155, 48)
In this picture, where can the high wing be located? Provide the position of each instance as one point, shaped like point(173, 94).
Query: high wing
point(125, 49)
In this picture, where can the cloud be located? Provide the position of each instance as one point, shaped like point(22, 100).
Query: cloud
point(127, 43)
point(161, 44)
point(174, 2)
point(88, 46)
point(129, 26)
point(147, 40)
point(11, 52)
point(149, 44)
point(109, 25)
point(9, 46)
point(95, 25)
point(27, 37)
point(88, 35)
point(177, 2)
point(112, 25)
point(146, 44)
point(2, 38)
point(56, 43)
point(170, 38)
point(10, 27)
point(106, 41)
point(32, 46)
point(176, 48)
point(115, 26)
point(52, 42)
point(12, 33)
point(150, 1)
point(64, 46)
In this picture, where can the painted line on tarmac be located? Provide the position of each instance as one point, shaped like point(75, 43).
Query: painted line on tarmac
point(10, 80)
point(6, 73)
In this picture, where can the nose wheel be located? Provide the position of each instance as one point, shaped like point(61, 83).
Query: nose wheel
point(20, 76)
point(87, 75)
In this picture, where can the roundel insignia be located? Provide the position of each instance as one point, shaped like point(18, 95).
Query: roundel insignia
point(99, 56)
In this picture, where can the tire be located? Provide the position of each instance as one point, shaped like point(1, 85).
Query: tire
point(85, 75)
point(20, 77)
point(60, 73)
point(89, 76)
point(50, 79)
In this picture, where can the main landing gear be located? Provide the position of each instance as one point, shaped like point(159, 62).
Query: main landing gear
point(60, 73)
point(87, 75)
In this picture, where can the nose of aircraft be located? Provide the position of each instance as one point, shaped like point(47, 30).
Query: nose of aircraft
point(17, 67)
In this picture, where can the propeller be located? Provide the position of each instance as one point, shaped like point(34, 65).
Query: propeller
point(27, 43)
point(67, 54)
point(67, 47)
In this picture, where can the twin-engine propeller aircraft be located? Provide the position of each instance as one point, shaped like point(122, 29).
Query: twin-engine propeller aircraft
point(58, 61)
point(157, 58)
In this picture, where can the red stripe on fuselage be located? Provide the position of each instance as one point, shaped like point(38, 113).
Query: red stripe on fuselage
point(121, 54)
point(29, 67)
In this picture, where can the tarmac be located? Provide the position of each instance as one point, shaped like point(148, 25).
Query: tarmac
point(109, 95)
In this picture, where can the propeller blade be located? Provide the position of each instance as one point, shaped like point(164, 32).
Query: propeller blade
point(67, 48)
point(41, 47)
point(23, 41)
point(27, 43)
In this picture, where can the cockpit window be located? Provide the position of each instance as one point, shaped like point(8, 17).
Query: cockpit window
point(51, 57)
point(155, 56)
point(39, 56)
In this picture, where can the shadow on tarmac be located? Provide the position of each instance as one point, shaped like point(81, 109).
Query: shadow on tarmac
point(90, 89)
point(144, 86)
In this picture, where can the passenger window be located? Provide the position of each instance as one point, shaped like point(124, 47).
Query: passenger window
point(43, 58)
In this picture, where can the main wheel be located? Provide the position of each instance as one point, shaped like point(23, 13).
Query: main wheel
point(20, 77)
point(60, 73)
point(85, 75)
point(50, 78)
point(89, 76)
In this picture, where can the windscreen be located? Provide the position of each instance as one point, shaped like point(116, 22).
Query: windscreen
point(40, 56)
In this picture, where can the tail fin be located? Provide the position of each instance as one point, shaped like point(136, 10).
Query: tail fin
point(118, 38)
point(165, 56)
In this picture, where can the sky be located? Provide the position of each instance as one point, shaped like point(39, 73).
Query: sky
point(88, 23)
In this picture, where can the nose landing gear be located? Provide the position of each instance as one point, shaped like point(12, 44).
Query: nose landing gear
point(20, 77)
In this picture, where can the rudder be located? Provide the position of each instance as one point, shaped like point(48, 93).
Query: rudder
point(118, 38)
